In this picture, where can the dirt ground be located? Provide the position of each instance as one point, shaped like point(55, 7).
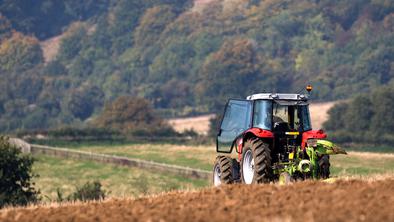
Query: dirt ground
point(344, 200)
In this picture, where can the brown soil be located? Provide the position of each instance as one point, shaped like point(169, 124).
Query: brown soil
point(345, 200)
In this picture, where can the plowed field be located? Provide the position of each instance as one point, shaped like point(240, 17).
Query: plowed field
point(344, 200)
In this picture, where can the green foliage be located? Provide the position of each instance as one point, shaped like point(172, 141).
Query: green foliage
point(87, 192)
point(186, 60)
point(129, 114)
point(55, 68)
point(19, 53)
point(72, 44)
point(46, 18)
point(83, 102)
point(15, 176)
point(5, 27)
point(228, 73)
point(76, 133)
point(368, 118)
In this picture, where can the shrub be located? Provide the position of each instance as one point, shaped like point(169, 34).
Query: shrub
point(153, 132)
point(15, 176)
point(89, 191)
point(132, 114)
point(76, 133)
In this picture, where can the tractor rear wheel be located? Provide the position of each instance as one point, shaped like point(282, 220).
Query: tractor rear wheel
point(223, 171)
point(256, 162)
point(324, 167)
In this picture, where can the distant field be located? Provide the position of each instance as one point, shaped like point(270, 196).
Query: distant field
point(120, 181)
point(199, 124)
point(319, 114)
point(202, 157)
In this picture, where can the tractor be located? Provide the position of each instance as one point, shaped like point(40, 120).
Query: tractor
point(274, 140)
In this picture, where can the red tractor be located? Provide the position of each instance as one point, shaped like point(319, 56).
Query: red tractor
point(274, 140)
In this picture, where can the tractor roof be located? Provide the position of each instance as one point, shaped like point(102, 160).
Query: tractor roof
point(278, 96)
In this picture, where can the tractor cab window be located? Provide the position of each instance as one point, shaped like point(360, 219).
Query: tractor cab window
point(306, 119)
point(281, 117)
point(290, 118)
point(236, 119)
point(262, 117)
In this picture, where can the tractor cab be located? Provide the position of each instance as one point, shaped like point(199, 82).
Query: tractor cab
point(282, 117)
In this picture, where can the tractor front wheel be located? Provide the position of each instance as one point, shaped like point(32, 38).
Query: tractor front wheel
point(223, 171)
point(256, 162)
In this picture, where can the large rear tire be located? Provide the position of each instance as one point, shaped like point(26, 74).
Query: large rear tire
point(223, 171)
point(256, 162)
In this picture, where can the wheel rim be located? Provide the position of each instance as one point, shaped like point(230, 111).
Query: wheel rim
point(248, 167)
point(216, 176)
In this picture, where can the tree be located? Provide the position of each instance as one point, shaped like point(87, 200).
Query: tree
point(5, 28)
point(83, 102)
point(383, 102)
point(16, 187)
point(229, 72)
point(72, 44)
point(359, 112)
point(152, 23)
point(19, 53)
point(127, 114)
point(336, 114)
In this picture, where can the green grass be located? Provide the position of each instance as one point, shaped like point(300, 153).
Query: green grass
point(120, 181)
point(357, 163)
point(200, 157)
point(369, 148)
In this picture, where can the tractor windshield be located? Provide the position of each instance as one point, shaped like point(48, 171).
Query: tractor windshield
point(281, 117)
point(291, 117)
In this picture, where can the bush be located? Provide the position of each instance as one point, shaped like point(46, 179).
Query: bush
point(77, 133)
point(15, 176)
point(132, 115)
point(154, 132)
point(89, 191)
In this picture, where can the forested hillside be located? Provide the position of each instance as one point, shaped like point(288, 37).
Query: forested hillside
point(184, 57)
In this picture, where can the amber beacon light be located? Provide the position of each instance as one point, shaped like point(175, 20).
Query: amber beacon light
point(309, 88)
